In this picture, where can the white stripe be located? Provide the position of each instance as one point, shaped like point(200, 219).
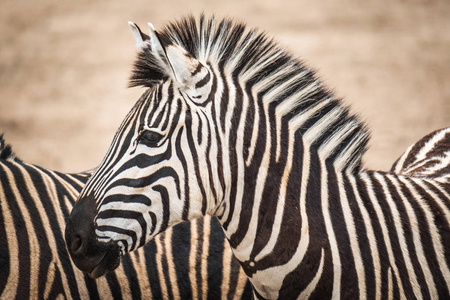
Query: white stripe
point(399, 166)
point(353, 236)
point(370, 236)
point(193, 258)
point(422, 154)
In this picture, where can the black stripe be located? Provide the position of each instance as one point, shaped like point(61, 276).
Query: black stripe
point(5, 266)
point(224, 100)
point(198, 69)
point(233, 156)
point(180, 155)
point(135, 198)
point(181, 247)
point(200, 130)
point(209, 163)
point(193, 152)
point(165, 201)
point(215, 260)
point(198, 260)
point(152, 271)
point(318, 242)
point(122, 231)
point(114, 286)
point(203, 81)
point(149, 179)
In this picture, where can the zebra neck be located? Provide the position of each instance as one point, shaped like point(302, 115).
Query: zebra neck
point(282, 155)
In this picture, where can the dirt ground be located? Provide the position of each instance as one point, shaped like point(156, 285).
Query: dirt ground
point(64, 67)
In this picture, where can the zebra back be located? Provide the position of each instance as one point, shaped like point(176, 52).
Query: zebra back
point(34, 263)
point(429, 157)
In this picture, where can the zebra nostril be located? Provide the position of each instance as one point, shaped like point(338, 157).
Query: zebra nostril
point(76, 245)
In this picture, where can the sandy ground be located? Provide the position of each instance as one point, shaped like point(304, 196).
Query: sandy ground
point(64, 67)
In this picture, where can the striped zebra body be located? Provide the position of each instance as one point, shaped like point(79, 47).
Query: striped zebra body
point(188, 261)
point(231, 125)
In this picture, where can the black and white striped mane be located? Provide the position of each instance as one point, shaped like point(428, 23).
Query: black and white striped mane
point(261, 65)
point(6, 152)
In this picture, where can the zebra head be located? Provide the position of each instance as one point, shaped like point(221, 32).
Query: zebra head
point(157, 171)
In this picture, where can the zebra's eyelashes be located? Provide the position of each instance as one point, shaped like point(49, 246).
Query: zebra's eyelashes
point(149, 138)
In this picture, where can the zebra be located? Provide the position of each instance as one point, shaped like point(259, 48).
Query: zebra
point(189, 261)
point(429, 157)
point(232, 125)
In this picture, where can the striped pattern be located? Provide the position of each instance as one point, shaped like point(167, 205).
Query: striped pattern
point(34, 263)
point(277, 158)
point(430, 157)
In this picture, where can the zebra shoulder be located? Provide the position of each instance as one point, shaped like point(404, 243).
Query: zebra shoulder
point(429, 157)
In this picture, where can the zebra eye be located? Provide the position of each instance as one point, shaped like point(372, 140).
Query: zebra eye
point(149, 138)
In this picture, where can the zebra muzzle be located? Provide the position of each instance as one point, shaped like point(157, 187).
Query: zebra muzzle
point(87, 252)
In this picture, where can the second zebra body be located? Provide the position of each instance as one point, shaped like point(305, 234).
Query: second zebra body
point(190, 261)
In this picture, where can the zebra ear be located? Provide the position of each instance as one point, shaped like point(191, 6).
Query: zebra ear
point(191, 75)
point(155, 43)
point(139, 36)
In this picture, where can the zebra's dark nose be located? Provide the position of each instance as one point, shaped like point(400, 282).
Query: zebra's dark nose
point(80, 226)
point(87, 253)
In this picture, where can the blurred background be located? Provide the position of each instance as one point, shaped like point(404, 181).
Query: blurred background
point(64, 67)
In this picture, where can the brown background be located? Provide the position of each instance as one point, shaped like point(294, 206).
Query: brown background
point(64, 67)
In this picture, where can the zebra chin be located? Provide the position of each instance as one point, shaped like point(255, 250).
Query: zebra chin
point(87, 252)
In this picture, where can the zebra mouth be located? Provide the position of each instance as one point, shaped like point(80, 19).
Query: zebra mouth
point(108, 263)
point(87, 252)
point(89, 255)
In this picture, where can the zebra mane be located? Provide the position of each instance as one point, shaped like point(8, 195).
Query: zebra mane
point(6, 152)
point(272, 72)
